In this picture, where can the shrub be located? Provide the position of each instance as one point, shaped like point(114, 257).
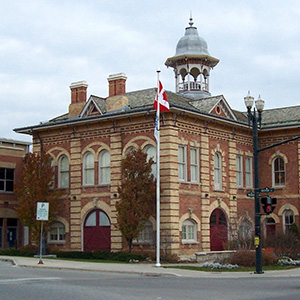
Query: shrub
point(247, 258)
point(101, 255)
point(285, 244)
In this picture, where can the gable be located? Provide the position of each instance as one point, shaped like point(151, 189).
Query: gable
point(216, 105)
point(93, 107)
point(221, 108)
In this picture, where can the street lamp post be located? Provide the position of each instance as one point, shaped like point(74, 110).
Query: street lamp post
point(256, 121)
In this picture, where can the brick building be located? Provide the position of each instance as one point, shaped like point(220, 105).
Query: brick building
point(206, 160)
point(11, 161)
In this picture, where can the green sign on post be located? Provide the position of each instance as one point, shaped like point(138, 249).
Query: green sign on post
point(266, 190)
point(251, 194)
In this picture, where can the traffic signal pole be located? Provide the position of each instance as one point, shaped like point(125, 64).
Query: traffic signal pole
point(258, 246)
point(255, 120)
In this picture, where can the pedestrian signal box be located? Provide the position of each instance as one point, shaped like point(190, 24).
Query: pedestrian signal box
point(268, 204)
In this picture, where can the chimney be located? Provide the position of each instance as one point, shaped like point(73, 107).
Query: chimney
point(116, 84)
point(78, 98)
point(117, 87)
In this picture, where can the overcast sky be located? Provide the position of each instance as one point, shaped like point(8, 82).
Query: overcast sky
point(47, 45)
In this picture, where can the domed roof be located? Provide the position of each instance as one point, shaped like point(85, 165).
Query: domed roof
point(191, 43)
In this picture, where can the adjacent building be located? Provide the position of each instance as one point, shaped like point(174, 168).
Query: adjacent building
point(206, 161)
point(12, 233)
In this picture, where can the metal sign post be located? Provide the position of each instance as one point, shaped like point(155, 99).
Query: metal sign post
point(42, 214)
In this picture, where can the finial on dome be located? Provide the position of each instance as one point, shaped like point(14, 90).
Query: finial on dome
point(191, 23)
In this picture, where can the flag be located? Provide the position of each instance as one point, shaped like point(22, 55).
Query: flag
point(162, 99)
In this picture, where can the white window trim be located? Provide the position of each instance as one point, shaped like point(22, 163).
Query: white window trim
point(284, 223)
point(102, 167)
point(250, 172)
point(85, 169)
point(196, 165)
point(274, 185)
point(64, 171)
point(58, 241)
point(186, 240)
point(218, 170)
point(184, 163)
point(239, 171)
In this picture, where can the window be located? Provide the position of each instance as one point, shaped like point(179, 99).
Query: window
point(278, 172)
point(248, 172)
point(7, 177)
point(146, 235)
point(103, 219)
point(182, 163)
point(245, 230)
point(63, 169)
point(288, 219)
point(88, 169)
point(57, 232)
point(239, 171)
point(104, 167)
point(189, 231)
point(194, 160)
point(218, 170)
point(151, 152)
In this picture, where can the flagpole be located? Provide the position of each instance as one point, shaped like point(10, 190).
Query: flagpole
point(158, 178)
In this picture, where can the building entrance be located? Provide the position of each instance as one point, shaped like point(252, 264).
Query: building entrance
point(218, 230)
point(97, 231)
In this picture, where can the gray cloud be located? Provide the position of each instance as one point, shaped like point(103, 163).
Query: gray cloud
point(46, 45)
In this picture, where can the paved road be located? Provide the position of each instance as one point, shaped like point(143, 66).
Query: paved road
point(43, 283)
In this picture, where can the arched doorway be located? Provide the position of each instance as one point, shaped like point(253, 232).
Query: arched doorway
point(270, 226)
point(218, 230)
point(97, 231)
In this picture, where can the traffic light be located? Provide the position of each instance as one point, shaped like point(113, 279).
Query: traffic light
point(268, 204)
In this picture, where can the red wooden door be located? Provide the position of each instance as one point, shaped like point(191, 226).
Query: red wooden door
point(218, 230)
point(270, 227)
point(97, 231)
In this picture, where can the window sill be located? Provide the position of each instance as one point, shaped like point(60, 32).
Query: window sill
point(279, 187)
point(56, 242)
point(143, 243)
point(189, 242)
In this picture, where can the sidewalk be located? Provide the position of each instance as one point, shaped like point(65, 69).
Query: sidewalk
point(142, 269)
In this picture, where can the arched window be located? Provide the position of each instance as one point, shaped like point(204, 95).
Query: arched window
point(245, 230)
point(130, 149)
point(52, 163)
point(63, 172)
point(146, 235)
point(151, 152)
point(288, 219)
point(189, 231)
point(182, 165)
point(88, 169)
point(278, 167)
point(239, 171)
point(57, 232)
point(104, 167)
point(194, 164)
point(218, 170)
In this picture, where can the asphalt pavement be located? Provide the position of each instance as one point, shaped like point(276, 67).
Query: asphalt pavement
point(145, 269)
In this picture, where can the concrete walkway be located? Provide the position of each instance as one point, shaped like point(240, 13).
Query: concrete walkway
point(144, 269)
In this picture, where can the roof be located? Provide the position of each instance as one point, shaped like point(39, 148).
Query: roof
point(281, 117)
point(142, 101)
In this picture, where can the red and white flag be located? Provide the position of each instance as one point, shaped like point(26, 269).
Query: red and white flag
point(162, 99)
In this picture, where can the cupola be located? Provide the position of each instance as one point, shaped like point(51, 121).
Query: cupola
point(192, 64)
